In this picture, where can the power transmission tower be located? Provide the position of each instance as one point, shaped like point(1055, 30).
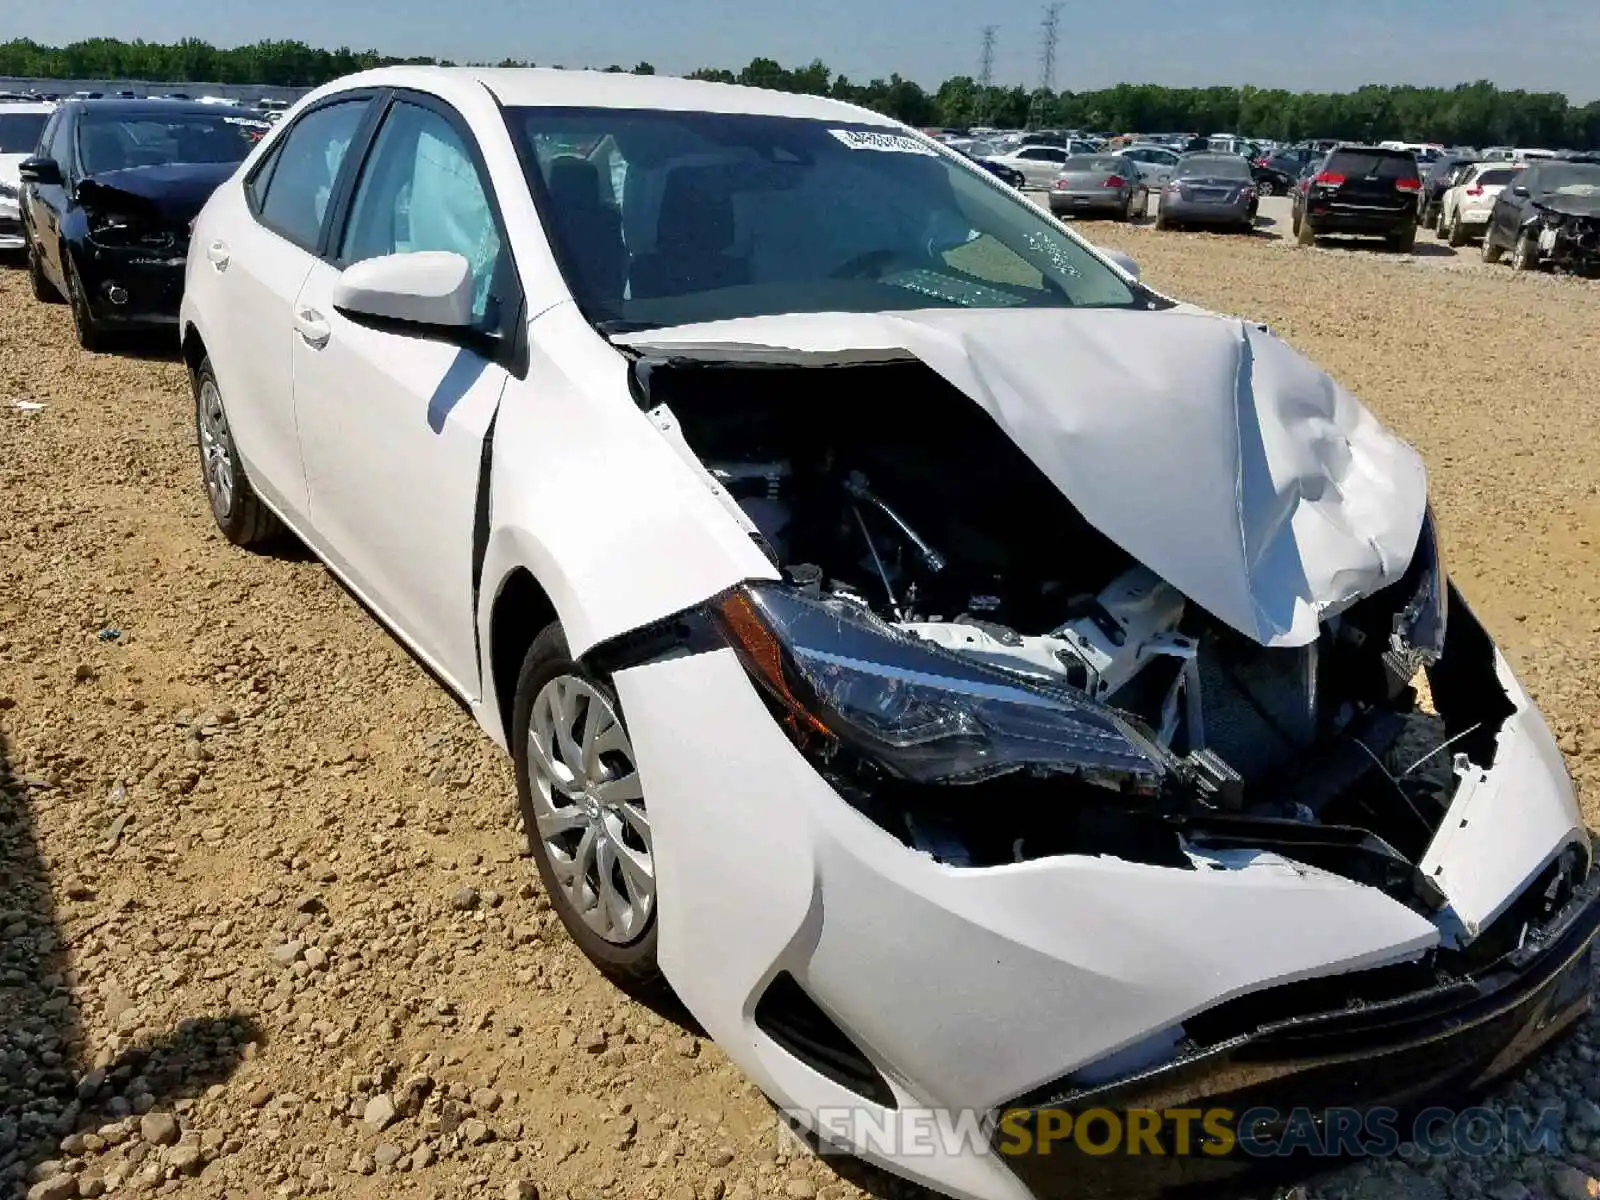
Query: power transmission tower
point(986, 58)
point(985, 72)
point(1050, 33)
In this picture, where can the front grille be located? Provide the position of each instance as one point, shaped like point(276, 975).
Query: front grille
point(792, 1019)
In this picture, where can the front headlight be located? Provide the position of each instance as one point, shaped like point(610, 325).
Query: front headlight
point(119, 232)
point(1419, 626)
point(845, 683)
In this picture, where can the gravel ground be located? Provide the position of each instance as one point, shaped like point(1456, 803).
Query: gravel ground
point(264, 928)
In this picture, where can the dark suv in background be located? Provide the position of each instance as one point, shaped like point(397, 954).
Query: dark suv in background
point(1365, 190)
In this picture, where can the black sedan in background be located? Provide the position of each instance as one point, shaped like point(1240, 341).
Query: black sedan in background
point(1006, 175)
point(108, 199)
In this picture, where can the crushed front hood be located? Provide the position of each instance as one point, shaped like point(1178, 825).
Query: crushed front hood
point(1202, 445)
point(173, 192)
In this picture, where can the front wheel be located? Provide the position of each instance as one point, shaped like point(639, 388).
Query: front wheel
point(1525, 254)
point(88, 332)
point(43, 290)
point(583, 811)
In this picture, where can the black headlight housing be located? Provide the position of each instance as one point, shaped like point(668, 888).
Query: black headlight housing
point(848, 686)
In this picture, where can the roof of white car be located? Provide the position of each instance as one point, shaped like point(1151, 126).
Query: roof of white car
point(546, 87)
point(26, 106)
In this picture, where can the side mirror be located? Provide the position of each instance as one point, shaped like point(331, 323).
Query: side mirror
point(1123, 261)
point(40, 170)
point(428, 287)
point(1519, 190)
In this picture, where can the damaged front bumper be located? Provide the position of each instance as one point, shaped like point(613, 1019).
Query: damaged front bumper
point(1566, 240)
point(1399, 1055)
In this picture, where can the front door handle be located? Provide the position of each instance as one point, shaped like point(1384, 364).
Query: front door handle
point(312, 327)
point(217, 255)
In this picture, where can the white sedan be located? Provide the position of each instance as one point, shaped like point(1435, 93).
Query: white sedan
point(1040, 165)
point(21, 123)
point(976, 683)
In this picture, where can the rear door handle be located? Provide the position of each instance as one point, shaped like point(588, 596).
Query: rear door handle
point(217, 255)
point(312, 327)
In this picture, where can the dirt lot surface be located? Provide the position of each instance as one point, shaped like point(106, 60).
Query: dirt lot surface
point(266, 930)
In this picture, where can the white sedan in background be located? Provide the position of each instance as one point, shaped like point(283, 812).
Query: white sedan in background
point(1041, 165)
point(970, 679)
point(21, 123)
point(1465, 208)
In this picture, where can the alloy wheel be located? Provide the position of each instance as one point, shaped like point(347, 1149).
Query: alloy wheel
point(588, 805)
point(216, 450)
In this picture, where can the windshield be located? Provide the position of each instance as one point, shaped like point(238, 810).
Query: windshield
point(118, 141)
point(669, 218)
point(19, 132)
point(1214, 166)
point(1579, 177)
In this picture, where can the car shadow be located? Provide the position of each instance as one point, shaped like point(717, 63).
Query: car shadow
point(55, 1087)
point(1421, 249)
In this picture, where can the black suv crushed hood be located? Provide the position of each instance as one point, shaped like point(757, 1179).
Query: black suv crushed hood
point(174, 192)
point(1584, 202)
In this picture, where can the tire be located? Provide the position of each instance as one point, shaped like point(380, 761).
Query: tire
point(1525, 254)
point(89, 335)
point(1127, 210)
point(1404, 242)
point(550, 682)
point(1492, 250)
point(1268, 188)
point(43, 290)
point(235, 507)
point(1441, 228)
point(1456, 233)
point(1161, 220)
point(1304, 234)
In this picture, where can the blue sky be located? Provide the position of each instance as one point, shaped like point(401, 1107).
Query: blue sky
point(1541, 45)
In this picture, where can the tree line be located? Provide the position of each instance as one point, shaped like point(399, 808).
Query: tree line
point(1473, 114)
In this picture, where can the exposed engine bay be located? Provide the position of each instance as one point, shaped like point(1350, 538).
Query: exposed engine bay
point(1567, 232)
point(883, 488)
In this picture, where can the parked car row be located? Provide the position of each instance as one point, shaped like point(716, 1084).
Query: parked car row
point(1542, 212)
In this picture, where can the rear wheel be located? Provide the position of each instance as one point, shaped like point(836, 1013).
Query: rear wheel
point(1403, 242)
point(235, 507)
point(583, 811)
point(1456, 233)
point(1127, 208)
point(1492, 250)
point(1161, 219)
point(1303, 233)
point(1525, 254)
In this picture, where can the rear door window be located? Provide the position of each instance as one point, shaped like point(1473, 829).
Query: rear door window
point(307, 164)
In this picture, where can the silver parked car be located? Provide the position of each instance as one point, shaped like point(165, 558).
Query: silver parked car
point(1155, 163)
point(1099, 185)
point(1209, 189)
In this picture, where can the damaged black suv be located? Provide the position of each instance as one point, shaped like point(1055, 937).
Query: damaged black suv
point(1549, 213)
point(107, 202)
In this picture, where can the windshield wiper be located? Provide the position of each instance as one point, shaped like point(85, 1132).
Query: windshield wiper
point(619, 326)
